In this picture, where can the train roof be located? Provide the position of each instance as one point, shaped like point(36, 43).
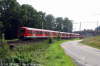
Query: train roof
point(39, 29)
point(48, 30)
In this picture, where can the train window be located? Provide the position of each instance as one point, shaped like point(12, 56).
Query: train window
point(38, 32)
point(45, 33)
point(21, 31)
point(41, 32)
point(29, 31)
point(33, 32)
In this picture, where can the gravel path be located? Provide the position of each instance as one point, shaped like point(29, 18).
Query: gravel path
point(82, 54)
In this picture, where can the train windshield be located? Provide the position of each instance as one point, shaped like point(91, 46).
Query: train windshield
point(21, 31)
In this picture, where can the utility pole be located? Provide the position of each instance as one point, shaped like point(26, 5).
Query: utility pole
point(97, 24)
point(80, 26)
point(42, 25)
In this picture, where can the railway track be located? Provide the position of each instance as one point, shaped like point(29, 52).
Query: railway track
point(23, 42)
point(19, 42)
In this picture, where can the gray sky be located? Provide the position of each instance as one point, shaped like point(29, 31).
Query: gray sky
point(85, 11)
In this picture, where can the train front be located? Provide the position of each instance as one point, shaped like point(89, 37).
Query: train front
point(26, 33)
point(21, 33)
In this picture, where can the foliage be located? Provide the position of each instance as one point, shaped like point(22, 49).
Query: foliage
point(9, 15)
point(4, 51)
point(67, 25)
point(64, 25)
point(50, 22)
point(28, 15)
point(1, 30)
point(59, 22)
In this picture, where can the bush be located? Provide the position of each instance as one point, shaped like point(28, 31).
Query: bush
point(4, 51)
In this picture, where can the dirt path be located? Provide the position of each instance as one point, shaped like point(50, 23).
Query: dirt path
point(82, 54)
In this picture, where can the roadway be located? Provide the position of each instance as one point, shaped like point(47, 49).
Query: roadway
point(82, 54)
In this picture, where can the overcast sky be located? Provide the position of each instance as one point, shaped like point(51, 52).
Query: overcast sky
point(85, 11)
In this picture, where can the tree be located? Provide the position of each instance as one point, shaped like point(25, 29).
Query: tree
point(64, 25)
point(28, 15)
point(1, 30)
point(41, 23)
point(1, 27)
point(9, 15)
point(14, 16)
point(67, 25)
point(50, 22)
point(59, 24)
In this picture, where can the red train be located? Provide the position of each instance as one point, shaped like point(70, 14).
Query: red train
point(26, 32)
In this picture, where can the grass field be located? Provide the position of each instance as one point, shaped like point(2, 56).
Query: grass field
point(55, 56)
point(40, 53)
point(92, 41)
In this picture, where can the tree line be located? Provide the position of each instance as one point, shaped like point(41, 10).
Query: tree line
point(13, 15)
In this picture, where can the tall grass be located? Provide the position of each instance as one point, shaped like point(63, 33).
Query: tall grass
point(92, 41)
point(24, 53)
point(39, 54)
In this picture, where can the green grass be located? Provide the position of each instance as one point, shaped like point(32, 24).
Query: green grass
point(37, 53)
point(92, 41)
point(55, 56)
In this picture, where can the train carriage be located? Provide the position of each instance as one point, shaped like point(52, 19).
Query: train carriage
point(26, 32)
